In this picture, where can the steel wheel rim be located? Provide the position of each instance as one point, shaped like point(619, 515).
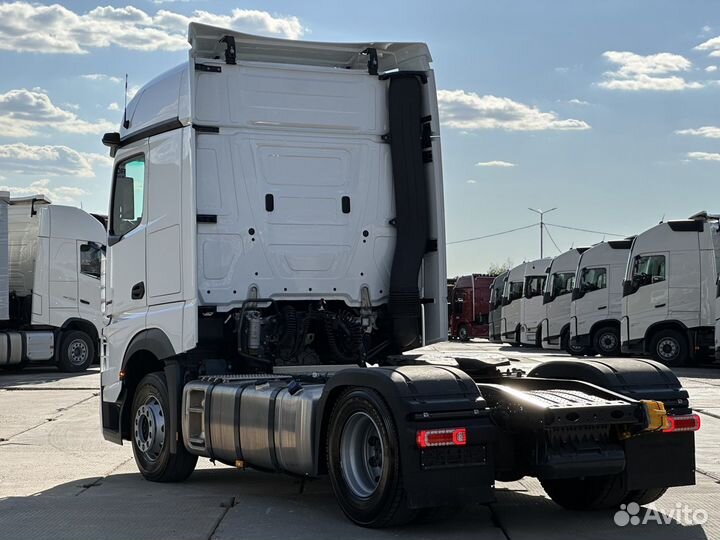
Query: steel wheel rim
point(78, 352)
point(149, 428)
point(361, 455)
point(608, 341)
point(668, 348)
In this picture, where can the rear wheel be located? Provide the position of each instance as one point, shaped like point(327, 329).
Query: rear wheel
point(670, 348)
point(589, 493)
point(150, 435)
point(77, 351)
point(364, 461)
point(606, 341)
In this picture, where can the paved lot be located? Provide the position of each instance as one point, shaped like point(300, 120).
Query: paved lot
point(60, 480)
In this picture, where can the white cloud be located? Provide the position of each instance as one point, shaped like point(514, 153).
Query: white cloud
point(652, 72)
point(49, 160)
point(102, 77)
point(576, 101)
point(496, 163)
point(709, 132)
point(711, 69)
point(114, 106)
point(471, 181)
point(470, 111)
point(704, 156)
point(711, 46)
point(26, 27)
point(25, 113)
point(59, 194)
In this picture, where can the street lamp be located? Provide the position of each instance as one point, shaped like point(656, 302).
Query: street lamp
point(542, 213)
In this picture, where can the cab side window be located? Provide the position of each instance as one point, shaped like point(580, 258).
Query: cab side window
point(516, 290)
point(127, 196)
point(648, 269)
point(534, 286)
point(562, 283)
point(90, 257)
point(593, 279)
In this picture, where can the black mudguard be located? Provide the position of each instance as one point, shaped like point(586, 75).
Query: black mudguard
point(426, 397)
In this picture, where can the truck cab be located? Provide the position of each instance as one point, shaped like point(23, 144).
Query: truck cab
point(53, 262)
point(668, 305)
point(513, 291)
point(556, 299)
point(470, 306)
point(532, 310)
point(495, 314)
point(596, 307)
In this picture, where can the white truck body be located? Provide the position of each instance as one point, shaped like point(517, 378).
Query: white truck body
point(596, 307)
point(532, 310)
point(557, 297)
point(510, 312)
point(668, 307)
point(51, 262)
point(495, 313)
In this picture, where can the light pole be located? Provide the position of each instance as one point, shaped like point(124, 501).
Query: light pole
point(542, 213)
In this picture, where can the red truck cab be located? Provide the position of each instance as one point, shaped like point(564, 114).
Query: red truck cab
point(469, 307)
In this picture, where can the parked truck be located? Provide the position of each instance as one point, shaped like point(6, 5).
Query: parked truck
point(511, 299)
point(556, 299)
point(470, 307)
point(495, 313)
point(532, 310)
point(276, 242)
point(668, 306)
point(50, 258)
point(596, 307)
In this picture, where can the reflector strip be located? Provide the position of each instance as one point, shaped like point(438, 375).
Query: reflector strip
point(688, 422)
point(427, 438)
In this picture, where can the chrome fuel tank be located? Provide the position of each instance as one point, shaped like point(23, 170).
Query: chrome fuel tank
point(259, 422)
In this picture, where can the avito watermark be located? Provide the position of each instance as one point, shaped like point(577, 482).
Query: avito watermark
point(631, 514)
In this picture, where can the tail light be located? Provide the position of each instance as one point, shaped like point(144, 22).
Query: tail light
point(428, 438)
point(687, 422)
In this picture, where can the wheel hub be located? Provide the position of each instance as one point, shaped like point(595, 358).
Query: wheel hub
point(361, 455)
point(608, 342)
point(77, 352)
point(668, 348)
point(149, 428)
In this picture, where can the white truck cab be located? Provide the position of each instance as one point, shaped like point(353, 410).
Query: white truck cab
point(52, 260)
point(514, 285)
point(596, 307)
point(532, 310)
point(495, 313)
point(557, 298)
point(668, 306)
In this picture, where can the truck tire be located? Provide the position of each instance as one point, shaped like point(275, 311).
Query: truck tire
point(463, 333)
point(669, 347)
point(606, 341)
point(567, 346)
point(77, 351)
point(597, 492)
point(364, 461)
point(150, 438)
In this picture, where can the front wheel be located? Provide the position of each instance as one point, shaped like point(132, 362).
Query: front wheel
point(364, 461)
point(567, 345)
point(151, 436)
point(463, 333)
point(606, 341)
point(77, 351)
point(670, 348)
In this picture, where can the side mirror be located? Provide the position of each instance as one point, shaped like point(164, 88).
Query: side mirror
point(629, 287)
point(577, 293)
point(547, 298)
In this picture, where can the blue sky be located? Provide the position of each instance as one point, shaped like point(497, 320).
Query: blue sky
point(607, 110)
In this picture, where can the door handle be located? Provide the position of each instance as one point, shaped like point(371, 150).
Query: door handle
point(84, 302)
point(659, 305)
point(138, 291)
point(602, 307)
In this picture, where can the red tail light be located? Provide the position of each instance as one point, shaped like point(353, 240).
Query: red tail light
point(686, 422)
point(427, 438)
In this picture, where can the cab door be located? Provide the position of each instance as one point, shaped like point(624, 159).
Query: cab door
point(89, 262)
point(647, 301)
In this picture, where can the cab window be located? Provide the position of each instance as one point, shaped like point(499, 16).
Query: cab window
point(534, 286)
point(515, 290)
point(593, 279)
point(562, 283)
point(90, 258)
point(127, 196)
point(648, 269)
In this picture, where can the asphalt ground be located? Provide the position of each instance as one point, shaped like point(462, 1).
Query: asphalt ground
point(60, 480)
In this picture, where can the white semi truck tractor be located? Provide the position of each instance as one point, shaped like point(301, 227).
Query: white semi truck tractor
point(50, 259)
point(276, 243)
